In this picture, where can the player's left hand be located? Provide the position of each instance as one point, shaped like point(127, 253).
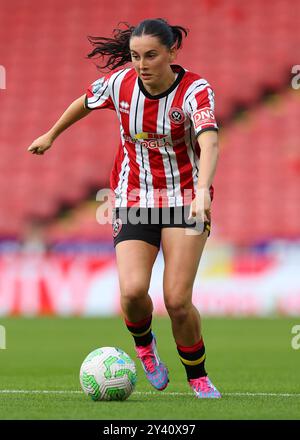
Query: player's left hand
point(200, 206)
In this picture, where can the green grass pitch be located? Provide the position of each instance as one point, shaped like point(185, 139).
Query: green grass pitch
point(251, 361)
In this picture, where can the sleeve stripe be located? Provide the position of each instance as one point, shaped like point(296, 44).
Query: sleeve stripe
point(99, 97)
point(198, 98)
point(201, 85)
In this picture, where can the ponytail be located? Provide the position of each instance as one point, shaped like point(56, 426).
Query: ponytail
point(117, 49)
point(178, 32)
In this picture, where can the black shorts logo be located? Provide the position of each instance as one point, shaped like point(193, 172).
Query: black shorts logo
point(176, 115)
point(117, 226)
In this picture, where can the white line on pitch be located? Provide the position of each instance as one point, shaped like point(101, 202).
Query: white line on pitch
point(145, 393)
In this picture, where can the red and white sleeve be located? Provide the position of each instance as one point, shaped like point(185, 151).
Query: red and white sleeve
point(200, 107)
point(98, 95)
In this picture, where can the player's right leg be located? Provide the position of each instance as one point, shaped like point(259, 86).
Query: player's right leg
point(135, 259)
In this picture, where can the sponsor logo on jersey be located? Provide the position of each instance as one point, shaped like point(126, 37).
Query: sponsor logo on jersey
point(176, 115)
point(155, 143)
point(124, 107)
point(203, 117)
point(153, 140)
point(116, 227)
point(150, 140)
point(144, 135)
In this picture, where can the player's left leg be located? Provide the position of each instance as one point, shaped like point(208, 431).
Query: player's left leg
point(182, 252)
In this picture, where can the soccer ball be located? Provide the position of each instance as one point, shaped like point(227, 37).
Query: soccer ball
point(108, 373)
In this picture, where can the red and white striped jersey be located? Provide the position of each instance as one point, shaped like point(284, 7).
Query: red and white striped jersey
point(157, 162)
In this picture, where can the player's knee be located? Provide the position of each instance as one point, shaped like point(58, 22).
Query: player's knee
point(133, 291)
point(178, 309)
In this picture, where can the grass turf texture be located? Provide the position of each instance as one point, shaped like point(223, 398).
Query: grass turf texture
point(243, 356)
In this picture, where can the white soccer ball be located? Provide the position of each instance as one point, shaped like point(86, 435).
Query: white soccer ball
point(108, 373)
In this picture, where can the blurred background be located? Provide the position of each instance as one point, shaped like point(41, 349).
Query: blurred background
point(55, 259)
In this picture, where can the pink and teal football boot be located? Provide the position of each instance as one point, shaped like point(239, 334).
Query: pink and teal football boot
point(204, 389)
point(156, 371)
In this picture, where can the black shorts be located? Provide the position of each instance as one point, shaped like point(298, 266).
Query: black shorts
point(146, 223)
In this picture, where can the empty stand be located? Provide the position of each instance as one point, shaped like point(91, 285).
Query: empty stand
point(232, 44)
point(257, 184)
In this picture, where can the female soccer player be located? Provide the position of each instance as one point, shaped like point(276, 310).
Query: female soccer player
point(166, 116)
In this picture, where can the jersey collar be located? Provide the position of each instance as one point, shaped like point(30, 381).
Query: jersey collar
point(176, 68)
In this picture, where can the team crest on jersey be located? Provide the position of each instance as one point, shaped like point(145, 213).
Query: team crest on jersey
point(117, 226)
point(176, 115)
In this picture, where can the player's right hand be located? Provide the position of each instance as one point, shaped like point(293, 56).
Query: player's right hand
point(40, 145)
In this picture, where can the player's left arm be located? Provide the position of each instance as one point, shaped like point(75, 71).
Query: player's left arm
point(209, 144)
point(208, 141)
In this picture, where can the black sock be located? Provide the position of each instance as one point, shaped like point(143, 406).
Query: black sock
point(193, 359)
point(141, 331)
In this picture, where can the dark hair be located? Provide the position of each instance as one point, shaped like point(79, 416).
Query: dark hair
point(117, 48)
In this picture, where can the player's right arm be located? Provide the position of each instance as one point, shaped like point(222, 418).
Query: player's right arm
point(76, 111)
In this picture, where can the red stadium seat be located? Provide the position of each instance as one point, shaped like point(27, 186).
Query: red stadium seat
point(231, 44)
